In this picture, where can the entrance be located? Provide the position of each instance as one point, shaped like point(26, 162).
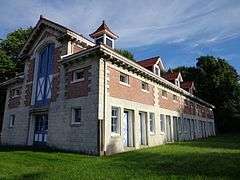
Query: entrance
point(143, 128)
point(128, 129)
point(169, 128)
point(41, 129)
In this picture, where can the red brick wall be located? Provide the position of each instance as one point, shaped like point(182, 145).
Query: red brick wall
point(28, 95)
point(132, 93)
point(76, 48)
point(77, 89)
point(14, 102)
point(56, 72)
point(168, 103)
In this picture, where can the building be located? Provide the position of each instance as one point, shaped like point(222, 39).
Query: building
point(83, 96)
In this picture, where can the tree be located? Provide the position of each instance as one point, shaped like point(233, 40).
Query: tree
point(126, 54)
point(217, 82)
point(12, 46)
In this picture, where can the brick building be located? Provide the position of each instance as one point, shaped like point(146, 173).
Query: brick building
point(80, 95)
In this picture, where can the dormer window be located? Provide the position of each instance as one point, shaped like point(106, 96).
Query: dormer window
point(157, 70)
point(177, 83)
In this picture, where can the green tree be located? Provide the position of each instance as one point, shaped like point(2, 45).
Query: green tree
point(217, 82)
point(126, 53)
point(12, 46)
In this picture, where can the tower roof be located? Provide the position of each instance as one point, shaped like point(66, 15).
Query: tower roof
point(103, 29)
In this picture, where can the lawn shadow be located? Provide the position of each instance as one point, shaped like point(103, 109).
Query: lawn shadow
point(33, 175)
point(207, 165)
point(232, 142)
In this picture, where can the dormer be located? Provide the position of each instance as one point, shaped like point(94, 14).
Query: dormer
point(153, 64)
point(189, 86)
point(174, 77)
point(103, 35)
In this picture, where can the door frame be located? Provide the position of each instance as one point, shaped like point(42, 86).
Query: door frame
point(145, 130)
point(130, 128)
point(43, 142)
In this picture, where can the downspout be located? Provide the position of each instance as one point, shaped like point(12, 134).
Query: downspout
point(101, 123)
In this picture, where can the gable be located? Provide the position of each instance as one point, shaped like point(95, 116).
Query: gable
point(62, 34)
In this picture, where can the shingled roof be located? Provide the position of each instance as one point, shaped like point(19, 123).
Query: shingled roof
point(103, 28)
point(170, 76)
point(148, 62)
point(187, 85)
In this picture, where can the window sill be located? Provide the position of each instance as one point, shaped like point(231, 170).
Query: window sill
point(152, 133)
point(123, 83)
point(76, 124)
point(115, 134)
point(146, 91)
point(76, 81)
point(164, 97)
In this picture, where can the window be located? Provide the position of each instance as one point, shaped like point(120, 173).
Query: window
point(16, 92)
point(76, 115)
point(11, 120)
point(99, 40)
point(115, 120)
point(124, 78)
point(152, 123)
point(78, 75)
point(164, 93)
point(109, 42)
point(157, 70)
point(175, 98)
point(162, 122)
point(145, 86)
point(177, 83)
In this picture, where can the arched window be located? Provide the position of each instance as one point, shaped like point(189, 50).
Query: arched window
point(44, 75)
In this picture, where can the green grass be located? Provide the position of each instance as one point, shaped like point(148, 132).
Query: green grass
point(215, 158)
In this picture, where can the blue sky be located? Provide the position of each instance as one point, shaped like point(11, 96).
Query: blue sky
point(178, 31)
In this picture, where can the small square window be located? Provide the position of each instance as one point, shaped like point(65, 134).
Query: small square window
point(164, 93)
point(11, 120)
point(76, 115)
point(78, 76)
point(175, 97)
point(145, 86)
point(124, 78)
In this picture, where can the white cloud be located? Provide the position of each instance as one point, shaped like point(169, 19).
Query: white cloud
point(137, 22)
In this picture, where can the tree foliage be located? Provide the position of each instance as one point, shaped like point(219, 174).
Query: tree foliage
point(217, 82)
point(126, 53)
point(10, 49)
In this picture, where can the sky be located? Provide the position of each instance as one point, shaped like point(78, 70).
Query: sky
point(178, 31)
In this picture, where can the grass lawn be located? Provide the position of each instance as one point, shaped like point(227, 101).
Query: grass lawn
point(215, 158)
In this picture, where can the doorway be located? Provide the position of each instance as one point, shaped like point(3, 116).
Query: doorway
point(128, 128)
point(169, 128)
point(143, 128)
point(41, 129)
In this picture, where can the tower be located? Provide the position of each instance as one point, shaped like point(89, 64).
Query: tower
point(103, 35)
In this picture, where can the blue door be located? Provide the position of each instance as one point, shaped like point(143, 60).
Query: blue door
point(41, 129)
point(44, 78)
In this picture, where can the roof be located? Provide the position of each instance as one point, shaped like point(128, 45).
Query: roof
point(125, 61)
point(103, 29)
point(187, 84)
point(58, 27)
point(148, 62)
point(170, 76)
point(18, 78)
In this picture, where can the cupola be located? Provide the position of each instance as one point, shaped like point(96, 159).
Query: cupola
point(103, 35)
